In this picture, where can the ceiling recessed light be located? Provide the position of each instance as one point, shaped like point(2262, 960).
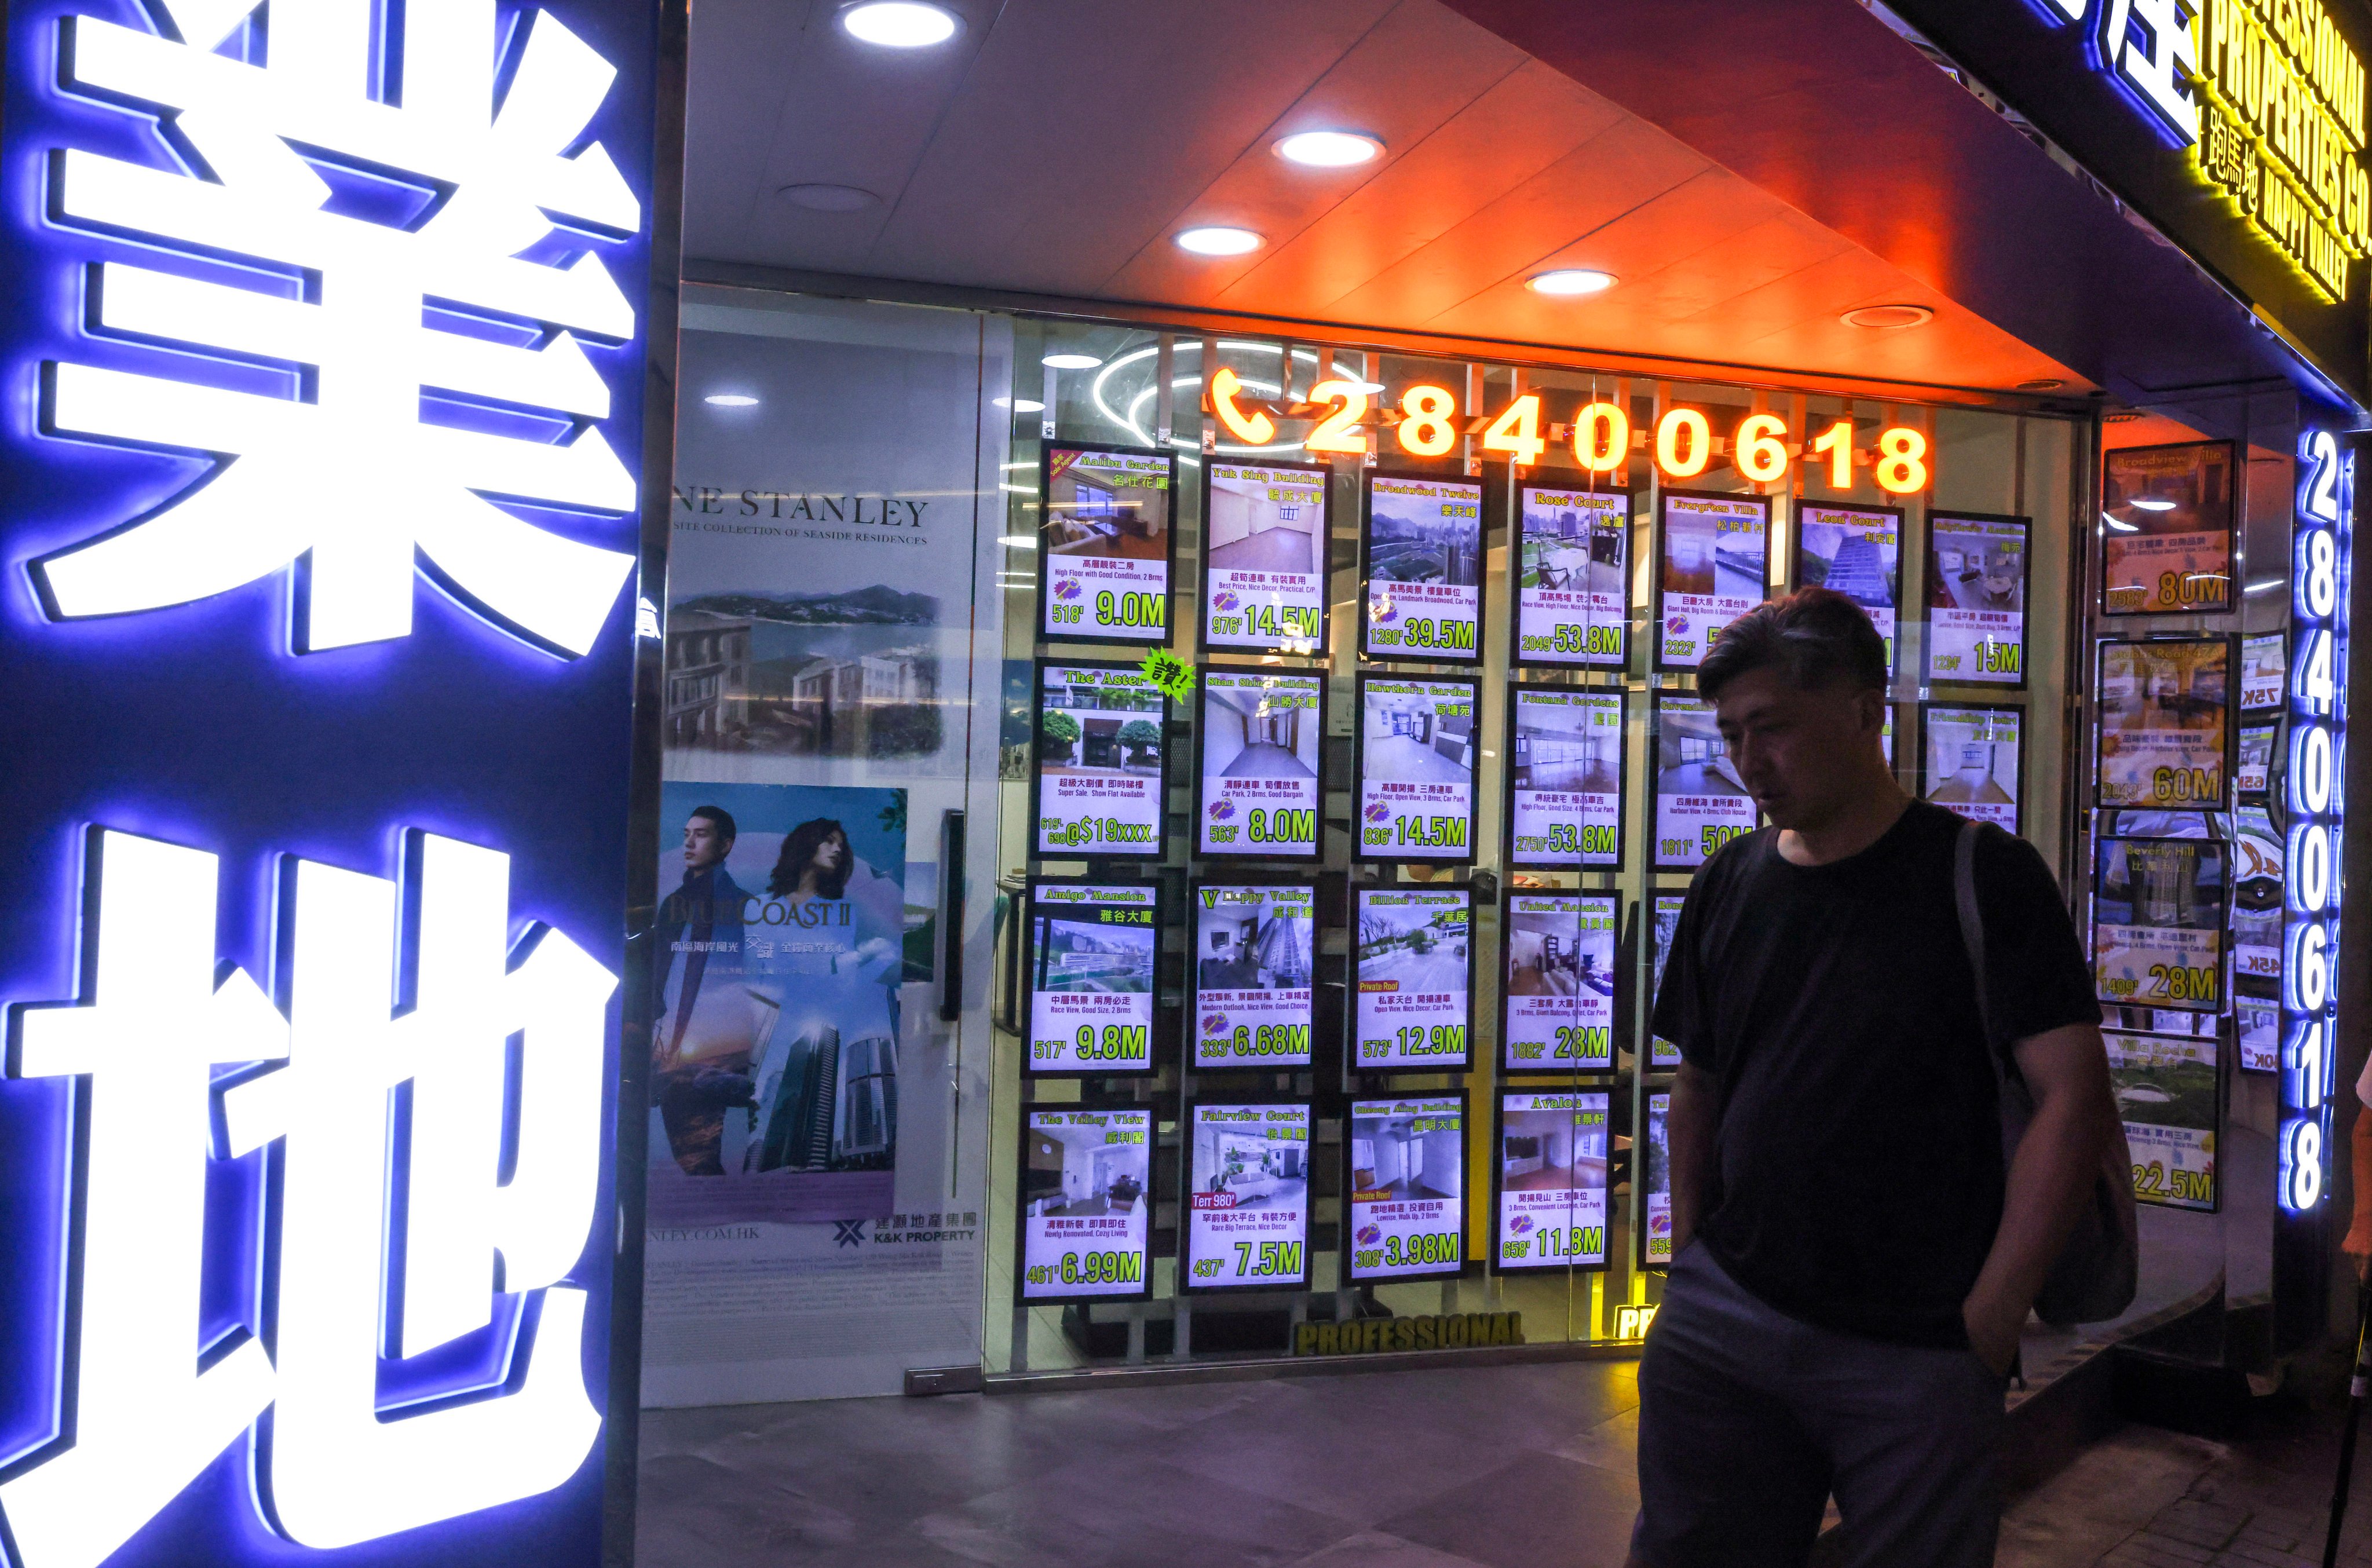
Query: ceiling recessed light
point(2151, 504)
point(730, 399)
point(1070, 362)
point(899, 24)
point(828, 198)
point(1329, 150)
point(1022, 405)
point(1888, 317)
point(1567, 282)
point(1218, 241)
point(2040, 384)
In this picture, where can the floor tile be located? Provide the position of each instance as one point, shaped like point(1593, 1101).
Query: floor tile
point(1120, 1511)
point(1534, 1510)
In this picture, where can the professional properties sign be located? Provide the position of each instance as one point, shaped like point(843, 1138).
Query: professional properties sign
point(312, 914)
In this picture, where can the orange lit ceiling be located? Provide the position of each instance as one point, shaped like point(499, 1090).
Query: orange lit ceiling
point(1054, 147)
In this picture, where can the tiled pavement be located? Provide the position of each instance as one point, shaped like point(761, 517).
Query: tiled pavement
point(1510, 1467)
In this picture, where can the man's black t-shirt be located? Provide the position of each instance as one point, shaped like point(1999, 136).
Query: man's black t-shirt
point(1859, 1162)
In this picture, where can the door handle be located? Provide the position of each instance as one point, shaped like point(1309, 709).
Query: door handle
point(950, 915)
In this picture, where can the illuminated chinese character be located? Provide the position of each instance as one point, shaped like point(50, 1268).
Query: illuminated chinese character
point(380, 456)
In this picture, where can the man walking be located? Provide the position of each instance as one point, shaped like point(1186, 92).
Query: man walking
point(1852, 1263)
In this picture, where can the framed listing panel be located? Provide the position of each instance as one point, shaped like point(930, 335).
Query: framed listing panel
point(1701, 802)
point(2258, 1028)
point(1254, 959)
point(1573, 576)
point(2158, 923)
point(1404, 1189)
point(1656, 1157)
point(1090, 954)
point(1265, 527)
point(2252, 772)
point(2169, 1094)
point(2167, 530)
point(1662, 931)
point(1421, 562)
point(1976, 598)
point(1715, 567)
point(1414, 773)
point(2264, 671)
point(1107, 543)
point(1413, 1008)
point(1245, 1220)
point(1087, 1207)
point(1556, 999)
point(2259, 857)
point(1552, 1179)
point(1256, 793)
point(1968, 760)
point(1858, 550)
point(1096, 791)
point(1564, 777)
point(2166, 723)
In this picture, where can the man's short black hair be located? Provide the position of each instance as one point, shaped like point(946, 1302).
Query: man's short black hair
point(1815, 637)
point(721, 818)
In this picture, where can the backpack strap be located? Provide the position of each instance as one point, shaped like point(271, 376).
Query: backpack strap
point(1973, 925)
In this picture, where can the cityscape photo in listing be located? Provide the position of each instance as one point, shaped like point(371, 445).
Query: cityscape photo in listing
point(1564, 777)
point(1572, 578)
point(1091, 953)
point(1246, 1214)
point(1415, 979)
point(1559, 984)
point(1105, 544)
point(1100, 763)
point(1258, 792)
point(1086, 1216)
point(1423, 564)
point(1265, 553)
point(1416, 768)
point(1255, 956)
point(1408, 1177)
point(1716, 565)
point(1553, 1180)
point(779, 957)
point(1857, 552)
point(1701, 802)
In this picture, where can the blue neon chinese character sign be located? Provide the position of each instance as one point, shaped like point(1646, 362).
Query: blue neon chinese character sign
point(319, 480)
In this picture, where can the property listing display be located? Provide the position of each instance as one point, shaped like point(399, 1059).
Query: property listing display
point(2166, 1096)
point(1564, 777)
point(2166, 723)
point(1414, 1010)
point(1254, 957)
point(2258, 857)
point(1097, 793)
point(2167, 530)
point(1256, 785)
point(1090, 959)
point(1557, 995)
point(1106, 543)
point(2158, 923)
point(1858, 550)
point(1087, 1211)
point(1969, 759)
point(1246, 1217)
point(2264, 667)
point(1573, 575)
point(1420, 558)
point(1976, 598)
point(1415, 789)
point(1405, 1214)
point(2252, 771)
point(1658, 1181)
point(1553, 1181)
point(1701, 802)
point(1264, 532)
point(1662, 929)
point(1716, 566)
point(2258, 1028)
